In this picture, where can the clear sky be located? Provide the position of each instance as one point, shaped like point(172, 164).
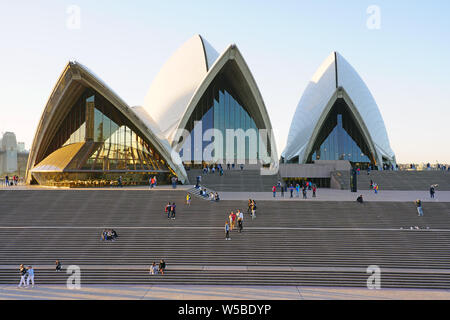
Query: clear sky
point(405, 63)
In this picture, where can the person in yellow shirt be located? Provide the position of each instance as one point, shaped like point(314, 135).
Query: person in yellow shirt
point(188, 199)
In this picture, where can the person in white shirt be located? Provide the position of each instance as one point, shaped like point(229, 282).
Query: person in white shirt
point(154, 269)
point(240, 220)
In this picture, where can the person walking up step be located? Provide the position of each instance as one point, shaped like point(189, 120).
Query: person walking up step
point(227, 231)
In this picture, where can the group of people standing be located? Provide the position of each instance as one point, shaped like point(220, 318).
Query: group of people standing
point(213, 169)
point(251, 208)
point(374, 186)
point(304, 187)
point(238, 217)
point(26, 276)
point(11, 181)
point(230, 224)
point(170, 210)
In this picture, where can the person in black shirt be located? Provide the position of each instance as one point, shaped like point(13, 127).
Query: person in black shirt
point(173, 210)
point(58, 266)
point(23, 272)
point(162, 266)
point(432, 191)
point(419, 207)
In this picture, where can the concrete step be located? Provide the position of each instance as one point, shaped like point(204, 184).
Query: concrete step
point(396, 180)
point(39, 226)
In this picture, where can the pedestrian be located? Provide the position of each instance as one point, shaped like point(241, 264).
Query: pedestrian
point(274, 190)
point(297, 189)
point(173, 207)
point(282, 191)
point(227, 231)
point(314, 191)
point(253, 208)
point(230, 219)
point(240, 220)
point(23, 273)
point(233, 220)
point(304, 193)
point(162, 266)
point(432, 191)
point(188, 199)
point(419, 207)
point(153, 269)
point(58, 266)
point(30, 276)
point(291, 189)
point(168, 209)
point(174, 182)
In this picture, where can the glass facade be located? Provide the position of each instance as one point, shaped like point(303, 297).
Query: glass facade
point(111, 147)
point(340, 138)
point(221, 109)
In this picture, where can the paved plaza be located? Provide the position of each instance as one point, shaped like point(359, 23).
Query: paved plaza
point(211, 292)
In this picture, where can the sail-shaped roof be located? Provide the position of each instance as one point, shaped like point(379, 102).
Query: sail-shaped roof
point(334, 79)
point(73, 81)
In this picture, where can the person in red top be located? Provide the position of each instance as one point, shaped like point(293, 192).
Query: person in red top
point(274, 190)
point(314, 191)
point(233, 220)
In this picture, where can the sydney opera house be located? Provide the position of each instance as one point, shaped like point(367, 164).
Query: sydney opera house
point(337, 118)
point(88, 135)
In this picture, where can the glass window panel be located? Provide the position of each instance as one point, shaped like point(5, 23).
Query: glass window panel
point(98, 126)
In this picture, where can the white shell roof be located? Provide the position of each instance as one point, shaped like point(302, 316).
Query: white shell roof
point(317, 95)
point(175, 84)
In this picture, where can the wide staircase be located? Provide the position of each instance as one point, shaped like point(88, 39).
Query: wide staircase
point(396, 180)
point(289, 243)
point(235, 180)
